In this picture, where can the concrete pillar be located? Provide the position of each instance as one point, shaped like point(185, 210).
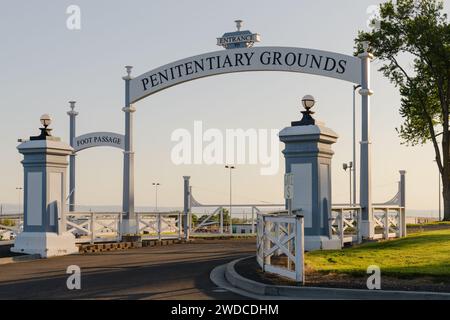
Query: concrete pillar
point(129, 225)
point(45, 165)
point(367, 225)
point(72, 134)
point(308, 157)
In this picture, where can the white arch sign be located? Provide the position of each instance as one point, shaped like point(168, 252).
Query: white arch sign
point(99, 139)
point(288, 59)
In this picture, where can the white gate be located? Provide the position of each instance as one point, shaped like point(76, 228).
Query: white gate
point(280, 245)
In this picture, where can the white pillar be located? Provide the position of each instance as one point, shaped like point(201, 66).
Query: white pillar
point(129, 220)
point(72, 134)
point(44, 227)
point(367, 225)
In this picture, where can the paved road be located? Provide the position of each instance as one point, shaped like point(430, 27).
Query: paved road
point(178, 271)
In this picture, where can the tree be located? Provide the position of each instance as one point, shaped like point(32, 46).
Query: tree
point(412, 39)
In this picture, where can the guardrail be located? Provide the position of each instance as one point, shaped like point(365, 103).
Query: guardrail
point(280, 245)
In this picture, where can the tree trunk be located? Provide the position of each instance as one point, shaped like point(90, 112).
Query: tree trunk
point(446, 197)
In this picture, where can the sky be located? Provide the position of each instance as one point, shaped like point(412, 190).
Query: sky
point(44, 65)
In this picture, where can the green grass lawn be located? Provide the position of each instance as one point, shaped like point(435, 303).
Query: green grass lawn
point(420, 254)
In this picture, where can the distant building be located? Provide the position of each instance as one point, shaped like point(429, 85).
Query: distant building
point(243, 228)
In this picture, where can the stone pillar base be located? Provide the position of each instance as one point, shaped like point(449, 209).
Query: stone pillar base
point(46, 244)
point(367, 229)
point(322, 243)
point(129, 227)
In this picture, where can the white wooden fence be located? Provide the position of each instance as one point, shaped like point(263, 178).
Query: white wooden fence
point(280, 245)
point(105, 226)
point(389, 222)
point(94, 226)
point(345, 223)
point(164, 225)
point(10, 226)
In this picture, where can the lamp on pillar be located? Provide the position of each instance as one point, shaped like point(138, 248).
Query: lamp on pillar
point(308, 102)
point(46, 120)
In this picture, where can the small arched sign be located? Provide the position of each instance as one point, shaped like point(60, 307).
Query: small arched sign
point(99, 139)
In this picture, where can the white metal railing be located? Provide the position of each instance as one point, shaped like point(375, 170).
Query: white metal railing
point(280, 245)
point(160, 225)
point(10, 226)
point(106, 226)
point(345, 223)
point(389, 222)
point(94, 226)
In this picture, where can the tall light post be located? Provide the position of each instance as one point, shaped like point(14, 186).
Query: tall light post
point(20, 198)
point(354, 142)
point(156, 184)
point(349, 166)
point(231, 220)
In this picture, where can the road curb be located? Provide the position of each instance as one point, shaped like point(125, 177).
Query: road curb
point(254, 287)
point(16, 259)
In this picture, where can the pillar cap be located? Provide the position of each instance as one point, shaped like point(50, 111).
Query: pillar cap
point(45, 146)
point(311, 130)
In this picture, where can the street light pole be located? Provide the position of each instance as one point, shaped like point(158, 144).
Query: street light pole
point(156, 184)
point(349, 166)
point(354, 142)
point(231, 219)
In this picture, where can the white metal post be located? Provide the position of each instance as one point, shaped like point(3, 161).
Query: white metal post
point(179, 225)
point(253, 220)
point(187, 207)
point(128, 163)
point(72, 134)
point(341, 226)
point(221, 220)
point(92, 227)
point(299, 250)
point(158, 215)
point(365, 154)
point(267, 226)
point(386, 224)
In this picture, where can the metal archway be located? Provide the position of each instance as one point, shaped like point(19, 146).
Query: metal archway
point(286, 59)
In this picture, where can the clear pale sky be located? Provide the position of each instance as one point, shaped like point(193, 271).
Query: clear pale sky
point(44, 65)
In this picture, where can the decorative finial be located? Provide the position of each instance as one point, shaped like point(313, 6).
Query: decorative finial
point(238, 24)
point(365, 45)
point(72, 105)
point(308, 102)
point(129, 70)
